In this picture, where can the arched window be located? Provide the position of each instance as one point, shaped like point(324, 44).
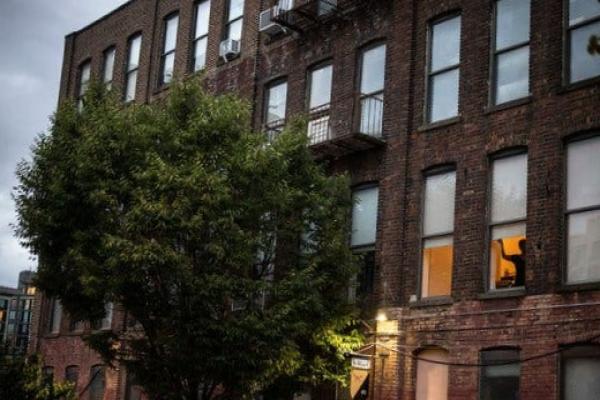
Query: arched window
point(97, 382)
point(432, 374)
point(72, 374)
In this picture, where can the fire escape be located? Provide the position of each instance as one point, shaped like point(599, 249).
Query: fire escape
point(303, 18)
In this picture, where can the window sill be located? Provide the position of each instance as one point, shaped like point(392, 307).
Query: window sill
point(569, 87)
point(509, 104)
point(233, 60)
point(503, 293)
point(440, 124)
point(432, 302)
point(577, 287)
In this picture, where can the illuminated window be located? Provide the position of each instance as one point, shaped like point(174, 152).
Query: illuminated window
point(97, 382)
point(432, 375)
point(583, 211)
point(500, 375)
point(275, 107)
point(580, 367)
point(583, 41)
point(372, 81)
point(511, 50)
point(235, 19)
point(84, 81)
point(443, 69)
point(507, 222)
point(167, 59)
point(438, 231)
point(108, 66)
point(201, 34)
point(131, 71)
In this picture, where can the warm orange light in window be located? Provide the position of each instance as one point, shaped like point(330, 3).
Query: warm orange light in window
point(437, 271)
point(503, 270)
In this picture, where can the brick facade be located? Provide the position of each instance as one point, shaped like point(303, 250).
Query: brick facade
point(539, 319)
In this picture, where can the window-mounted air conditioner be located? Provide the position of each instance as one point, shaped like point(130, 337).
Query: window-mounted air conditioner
point(229, 49)
point(267, 18)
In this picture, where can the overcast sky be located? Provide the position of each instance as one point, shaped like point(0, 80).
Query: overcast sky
point(31, 45)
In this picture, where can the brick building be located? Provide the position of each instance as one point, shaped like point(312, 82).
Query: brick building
point(471, 132)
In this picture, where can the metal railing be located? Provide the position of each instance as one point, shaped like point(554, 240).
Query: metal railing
point(273, 129)
point(319, 127)
point(371, 114)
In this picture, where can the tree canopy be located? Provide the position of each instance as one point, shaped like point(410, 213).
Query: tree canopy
point(228, 254)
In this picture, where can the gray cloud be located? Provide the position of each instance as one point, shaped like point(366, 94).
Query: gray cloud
point(31, 44)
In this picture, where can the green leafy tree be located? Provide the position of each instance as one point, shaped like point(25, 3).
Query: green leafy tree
point(230, 253)
point(24, 379)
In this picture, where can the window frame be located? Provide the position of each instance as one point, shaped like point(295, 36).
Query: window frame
point(358, 95)
point(433, 171)
point(324, 110)
point(72, 367)
point(129, 71)
point(567, 29)
point(52, 318)
point(500, 155)
point(429, 75)
point(195, 39)
point(94, 375)
point(166, 53)
point(415, 371)
point(228, 21)
point(566, 213)
point(482, 367)
point(495, 54)
point(81, 94)
point(564, 355)
point(113, 49)
point(274, 126)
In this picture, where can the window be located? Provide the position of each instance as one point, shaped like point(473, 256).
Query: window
point(106, 322)
point(97, 382)
point(131, 72)
point(583, 211)
point(582, 36)
point(580, 367)
point(319, 99)
point(84, 81)
point(108, 67)
point(511, 51)
point(133, 390)
point(235, 18)
point(201, 34)
point(432, 375)
point(275, 108)
point(167, 59)
point(48, 375)
point(438, 229)
point(443, 69)
point(500, 375)
point(372, 80)
point(75, 325)
point(72, 374)
point(508, 203)
point(55, 316)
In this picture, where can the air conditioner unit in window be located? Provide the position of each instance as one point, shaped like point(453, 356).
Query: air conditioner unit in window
point(267, 18)
point(229, 49)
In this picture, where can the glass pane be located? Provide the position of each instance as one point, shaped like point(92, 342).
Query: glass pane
point(582, 378)
point(202, 18)
point(581, 10)
point(134, 52)
point(169, 64)
point(584, 247)
point(320, 87)
point(84, 78)
point(364, 216)
point(509, 188)
point(512, 22)
point(500, 382)
point(171, 33)
point(130, 86)
point(373, 70)
point(371, 115)
point(583, 179)
point(276, 105)
point(72, 374)
point(439, 204)
point(56, 316)
point(583, 64)
point(508, 256)
point(437, 267)
point(96, 387)
point(445, 46)
point(109, 65)
point(512, 75)
point(200, 54)
point(432, 378)
point(236, 9)
point(234, 30)
point(107, 320)
point(444, 96)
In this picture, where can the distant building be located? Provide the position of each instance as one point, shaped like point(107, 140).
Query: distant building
point(16, 305)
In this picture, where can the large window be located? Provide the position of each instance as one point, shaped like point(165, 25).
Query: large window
point(319, 101)
point(511, 51)
point(500, 375)
point(131, 71)
point(84, 81)
point(583, 211)
point(55, 316)
point(235, 19)
point(167, 59)
point(108, 66)
point(443, 69)
point(72, 374)
point(508, 203)
point(438, 231)
point(372, 81)
point(582, 37)
point(201, 34)
point(580, 369)
point(432, 375)
point(275, 107)
point(97, 382)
